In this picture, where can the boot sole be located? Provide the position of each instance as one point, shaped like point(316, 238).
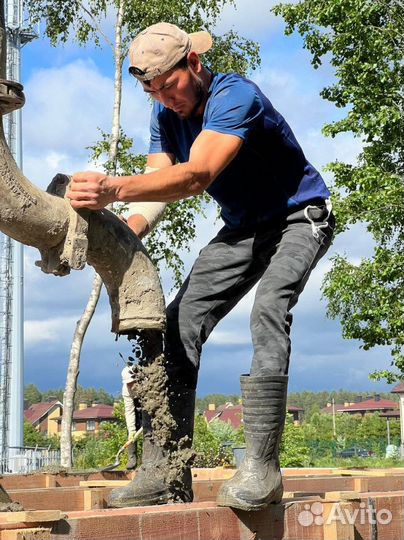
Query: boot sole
point(249, 506)
point(152, 500)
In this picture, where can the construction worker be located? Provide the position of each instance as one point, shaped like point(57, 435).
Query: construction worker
point(220, 133)
point(132, 414)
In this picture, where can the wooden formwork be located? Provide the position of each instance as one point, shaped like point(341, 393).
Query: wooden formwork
point(340, 505)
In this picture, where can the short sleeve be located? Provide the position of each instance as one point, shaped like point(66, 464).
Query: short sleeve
point(158, 138)
point(235, 109)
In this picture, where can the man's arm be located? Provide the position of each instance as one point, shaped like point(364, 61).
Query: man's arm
point(144, 216)
point(210, 154)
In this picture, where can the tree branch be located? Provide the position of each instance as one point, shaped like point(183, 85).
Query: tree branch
point(98, 28)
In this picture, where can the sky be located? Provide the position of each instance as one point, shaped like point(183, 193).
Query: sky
point(69, 93)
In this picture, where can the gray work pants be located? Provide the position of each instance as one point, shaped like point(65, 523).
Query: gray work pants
point(280, 256)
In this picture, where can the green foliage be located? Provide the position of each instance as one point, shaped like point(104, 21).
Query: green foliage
point(126, 162)
point(363, 41)
point(209, 441)
point(31, 395)
point(100, 450)
point(84, 21)
point(88, 395)
point(368, 432)
point(32, 437)
point(293, 449)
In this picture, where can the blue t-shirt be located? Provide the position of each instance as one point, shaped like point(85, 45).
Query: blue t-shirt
point(270, 176)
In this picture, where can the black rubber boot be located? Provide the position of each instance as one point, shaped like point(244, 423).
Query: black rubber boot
point(258, 481)
point(155, 482)
point(132, 456)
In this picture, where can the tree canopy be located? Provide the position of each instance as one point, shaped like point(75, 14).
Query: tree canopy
point(363, 41)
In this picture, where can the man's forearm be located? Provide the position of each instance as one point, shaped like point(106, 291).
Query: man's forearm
point(166, 185)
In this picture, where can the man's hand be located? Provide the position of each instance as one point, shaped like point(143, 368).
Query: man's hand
point(91, 190)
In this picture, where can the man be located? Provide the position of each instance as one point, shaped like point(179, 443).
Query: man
point(219, 133)
point(132, 414)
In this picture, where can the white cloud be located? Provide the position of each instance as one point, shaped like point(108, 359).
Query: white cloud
point(253, 20)
point(49, 330)
point(65, 106)
point(223, 337)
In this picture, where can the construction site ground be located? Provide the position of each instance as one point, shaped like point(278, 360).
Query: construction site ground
point(323, 504)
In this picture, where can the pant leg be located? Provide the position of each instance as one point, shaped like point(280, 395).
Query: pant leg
point(292, 255)
point(222, 274)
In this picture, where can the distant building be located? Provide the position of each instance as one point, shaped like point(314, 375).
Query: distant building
point(43, 415)
point(233, 414)
point(362, 407)
point(87, 419)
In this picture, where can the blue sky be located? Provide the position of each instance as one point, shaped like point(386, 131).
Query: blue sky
point(69, 94)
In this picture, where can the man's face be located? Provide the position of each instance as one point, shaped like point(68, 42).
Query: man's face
point(180, 90)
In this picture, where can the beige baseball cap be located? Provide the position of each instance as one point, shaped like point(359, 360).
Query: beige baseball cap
point(161, 46)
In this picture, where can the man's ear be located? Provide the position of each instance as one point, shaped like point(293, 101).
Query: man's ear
point(194, 62)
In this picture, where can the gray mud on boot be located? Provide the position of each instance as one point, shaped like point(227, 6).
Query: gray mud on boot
point(146, 489)
point(151, 484)
point(258, 481)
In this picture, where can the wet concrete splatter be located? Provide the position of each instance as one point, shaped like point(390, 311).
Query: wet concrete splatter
point(151, 385)
point(11, 507)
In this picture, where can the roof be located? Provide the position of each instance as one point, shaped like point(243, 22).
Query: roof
point(98, 412)
point(391, 414)
point(233, 414)
point(371, 405)
point(337, 407)
point(399, 388)
point(36, 411)
point(293, 408)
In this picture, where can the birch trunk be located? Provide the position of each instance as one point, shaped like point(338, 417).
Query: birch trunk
point(66, 455)
point(83, 323)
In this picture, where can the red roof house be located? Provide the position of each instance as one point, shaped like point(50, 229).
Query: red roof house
point(233, 414)
point(87, 419)
point(42, 416)
point(363, 407)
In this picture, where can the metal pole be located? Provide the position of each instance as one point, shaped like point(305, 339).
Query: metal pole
point(402, 424)
point(388, 430)
point(13, 132)
point(334, 425)
point(17, 36)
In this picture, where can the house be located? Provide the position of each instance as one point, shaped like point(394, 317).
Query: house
point(233, 414)
point(362, 407)
point(42, 416)
point(87, 419)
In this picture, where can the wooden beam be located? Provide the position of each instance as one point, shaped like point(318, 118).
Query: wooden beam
point(103, 483)
point(31, 516)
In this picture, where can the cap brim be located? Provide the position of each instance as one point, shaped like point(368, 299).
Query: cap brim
point(201, 42)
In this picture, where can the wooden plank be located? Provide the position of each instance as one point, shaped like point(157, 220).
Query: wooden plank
point(334, 527)
point(361, 484)
point(93, 499)
point(103, 483)
point(31, 516)
point(37, 533)
point(370, 472)
point(50, 481)
point(341, 496)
